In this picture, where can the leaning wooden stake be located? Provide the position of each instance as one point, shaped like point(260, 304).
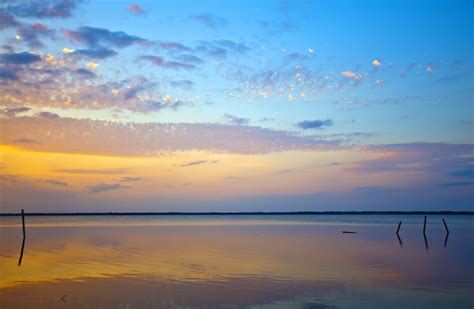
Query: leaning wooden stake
point(398, 236)
point(24, 236)
point(445, 226)
point(424, 234)
point(424, 226)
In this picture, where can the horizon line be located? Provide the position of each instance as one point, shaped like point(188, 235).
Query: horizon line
point(175, 213)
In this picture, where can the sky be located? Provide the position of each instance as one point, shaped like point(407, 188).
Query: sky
point(236, 105)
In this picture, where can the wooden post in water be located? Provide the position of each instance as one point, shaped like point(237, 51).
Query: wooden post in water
point(445, 226)
point(24, 236)
point(424, 227)
point(23, 222)
point(398, 236)
point(424, 234)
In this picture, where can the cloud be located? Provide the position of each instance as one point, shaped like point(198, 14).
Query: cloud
point(430, 69)
point(85, 136)
point(135, 9)
point(296, 57)
point(102, 187)
point(47, 115)
point(192, 163)
point(436, 159)
point(162, 63)
point(7, 21)
point(138, 87)
point(190, 58)
point(174, 46)
point(8, 178)
point(183, 84)
point(31, 34)
point(198, 162)
point(281, 83)
point(221, 48)
point(129, 179)
point(25, 141)
point(92, 65)
point(54, 87)
point(233, 46)
point(97, 37)
point(208, 20)
point(67, 50)
point(96, 53)
point(19, 58)
point(231, 119)
point(84, 73)
point(353, 76)
point(284, 171)
point(13, 111)
point(104, 171)
point(314, 124)
point(154, 106)
point(41, 9)
point(56, 182)
point(371, 189)
point(455, 184)
point(7, 75)
point(376, 63)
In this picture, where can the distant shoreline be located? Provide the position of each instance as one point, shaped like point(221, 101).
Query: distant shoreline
point(45, 214)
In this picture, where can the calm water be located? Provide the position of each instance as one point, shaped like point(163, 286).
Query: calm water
point(237, 261)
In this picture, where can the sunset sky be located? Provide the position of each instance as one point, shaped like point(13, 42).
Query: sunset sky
point(236, 105)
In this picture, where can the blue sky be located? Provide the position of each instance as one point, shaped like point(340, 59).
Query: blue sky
point(287, 81)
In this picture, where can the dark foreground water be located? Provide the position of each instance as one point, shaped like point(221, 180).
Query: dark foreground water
point(237, 261)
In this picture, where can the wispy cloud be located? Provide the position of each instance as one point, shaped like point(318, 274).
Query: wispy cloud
point(41, 9)
point(25, 141)
point(98, 37)
point(162, 63)
point(456, 184)
point(231, 119)
point(314, 124)
point(56, 182)
point(19, 58)
point(96, 53)
point(102, 187)
point(209, 20)
point(129, 179)
point(135, 9)
point(105, 171)
point(197, 162)
point(13, 111)
point(86, 136)
point(192, 163)
point(183, 84)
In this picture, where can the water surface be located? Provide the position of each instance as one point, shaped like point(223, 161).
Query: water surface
point(278, 261)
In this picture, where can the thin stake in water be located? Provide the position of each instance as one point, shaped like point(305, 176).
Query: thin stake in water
point(24, 236)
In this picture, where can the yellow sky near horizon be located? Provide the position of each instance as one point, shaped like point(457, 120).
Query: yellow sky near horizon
point(190, 174)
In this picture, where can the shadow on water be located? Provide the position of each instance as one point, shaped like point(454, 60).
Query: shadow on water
point(24, 237)
point(400, 240)
point(426, 241)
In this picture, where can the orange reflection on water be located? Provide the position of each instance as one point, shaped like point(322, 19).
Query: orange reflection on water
point(273, 254)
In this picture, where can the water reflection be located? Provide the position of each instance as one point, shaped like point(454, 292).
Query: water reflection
point(290, 265)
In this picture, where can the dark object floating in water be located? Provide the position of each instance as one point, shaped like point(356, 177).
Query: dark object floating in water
point(348, 232)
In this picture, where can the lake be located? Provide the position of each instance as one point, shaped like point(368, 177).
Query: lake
point(250, 261)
